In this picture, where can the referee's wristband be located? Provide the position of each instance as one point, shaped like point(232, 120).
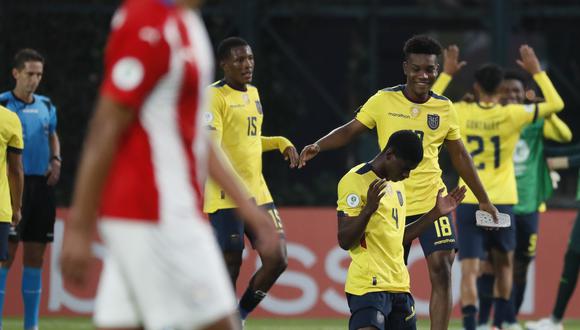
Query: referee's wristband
point(55, 157)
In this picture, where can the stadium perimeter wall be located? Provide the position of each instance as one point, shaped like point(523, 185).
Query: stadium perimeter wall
point(312, 285)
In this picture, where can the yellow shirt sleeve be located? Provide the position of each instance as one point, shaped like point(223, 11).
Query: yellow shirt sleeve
point(556, 130)
point(350, 199)
point(553, 102)
point(215, 117)
point(366, 114)
point(441, 83)
point(275, 142)
point(454, 132)
point(16, 141)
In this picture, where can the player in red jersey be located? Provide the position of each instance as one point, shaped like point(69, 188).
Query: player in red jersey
point(144, 159)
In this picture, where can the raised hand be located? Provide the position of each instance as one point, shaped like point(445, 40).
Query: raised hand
point(529, 61)
point(291, 154)
point(445, 205)
point(309, 152)
point(375, 192)
point(451, 64)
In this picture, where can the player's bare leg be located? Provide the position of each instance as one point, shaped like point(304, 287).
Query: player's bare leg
point(233, 260)
point(264, 279)
point(469, 273)
point(440, 304)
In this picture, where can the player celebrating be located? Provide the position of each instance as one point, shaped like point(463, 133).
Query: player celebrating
point(144, 159)
point(433, 118)
point(491, 132)
point(235, 122)
point(372, 227)
point(531, 171)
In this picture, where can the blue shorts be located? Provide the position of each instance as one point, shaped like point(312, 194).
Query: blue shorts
point(526, 235)
point(438, 237)
point(230, 229)
point(475, 241)
point(4, 231)
point(382, 310)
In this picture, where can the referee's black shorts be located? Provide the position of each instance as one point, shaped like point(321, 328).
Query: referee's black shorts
point(38, 211)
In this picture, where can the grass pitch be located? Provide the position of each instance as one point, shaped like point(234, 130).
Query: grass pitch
point(73, 323)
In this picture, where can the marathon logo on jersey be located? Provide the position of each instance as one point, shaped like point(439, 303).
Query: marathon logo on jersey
point(433, 121)
point(400, 197)
point(259, 107)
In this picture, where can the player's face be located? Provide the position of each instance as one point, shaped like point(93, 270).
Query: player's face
point(397, 169)
point(28, 78)
point(512, 92)
point(239, 66)
point(421, 71)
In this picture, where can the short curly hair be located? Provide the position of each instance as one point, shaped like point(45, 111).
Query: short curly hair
point(422, 44)
point(489, 76)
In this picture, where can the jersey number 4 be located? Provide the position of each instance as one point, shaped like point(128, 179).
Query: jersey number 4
point(480, 147)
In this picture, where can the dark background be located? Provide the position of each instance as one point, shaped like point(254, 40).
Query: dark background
point(316, 62)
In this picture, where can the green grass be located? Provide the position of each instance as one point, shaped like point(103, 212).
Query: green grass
point(59, 323)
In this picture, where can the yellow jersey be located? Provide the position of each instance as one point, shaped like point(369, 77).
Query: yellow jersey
point(491, 132)
point(434, 121)
point(377, 262)
point(10, 141)
point(235, 123)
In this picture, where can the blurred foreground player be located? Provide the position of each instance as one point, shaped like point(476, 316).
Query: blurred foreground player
point(144, 158)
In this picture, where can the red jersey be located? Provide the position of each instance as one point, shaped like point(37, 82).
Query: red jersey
point(158, 62)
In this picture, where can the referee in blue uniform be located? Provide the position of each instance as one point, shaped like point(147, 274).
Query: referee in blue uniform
point(42, 163)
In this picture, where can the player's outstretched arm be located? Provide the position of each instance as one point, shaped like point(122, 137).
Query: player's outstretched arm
point(267, 239)
point(284, 145)
point(109, 123)
point(351, 229)
point(16, 184)
point(463, 164)
point(443, 206)
point(555, 129)
point(530, 62)
point(335, 139)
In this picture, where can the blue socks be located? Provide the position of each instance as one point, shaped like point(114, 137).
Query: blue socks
point(31, 289)
point(469, 312)
point(3, 275)
point(485, 294)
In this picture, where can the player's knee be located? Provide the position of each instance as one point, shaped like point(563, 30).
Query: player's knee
point(440, 267)
point(520, 270)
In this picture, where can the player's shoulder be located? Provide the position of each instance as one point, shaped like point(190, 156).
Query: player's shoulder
point(138, 14)
point(392, 89)
point(439, 97)
point(356, 173)
point(7, 115)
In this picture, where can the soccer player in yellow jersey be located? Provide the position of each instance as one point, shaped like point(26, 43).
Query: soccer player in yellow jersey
point(235, 122)
point(491, 132)
point(11, 181)
point(433, 118)
point(372, 227)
